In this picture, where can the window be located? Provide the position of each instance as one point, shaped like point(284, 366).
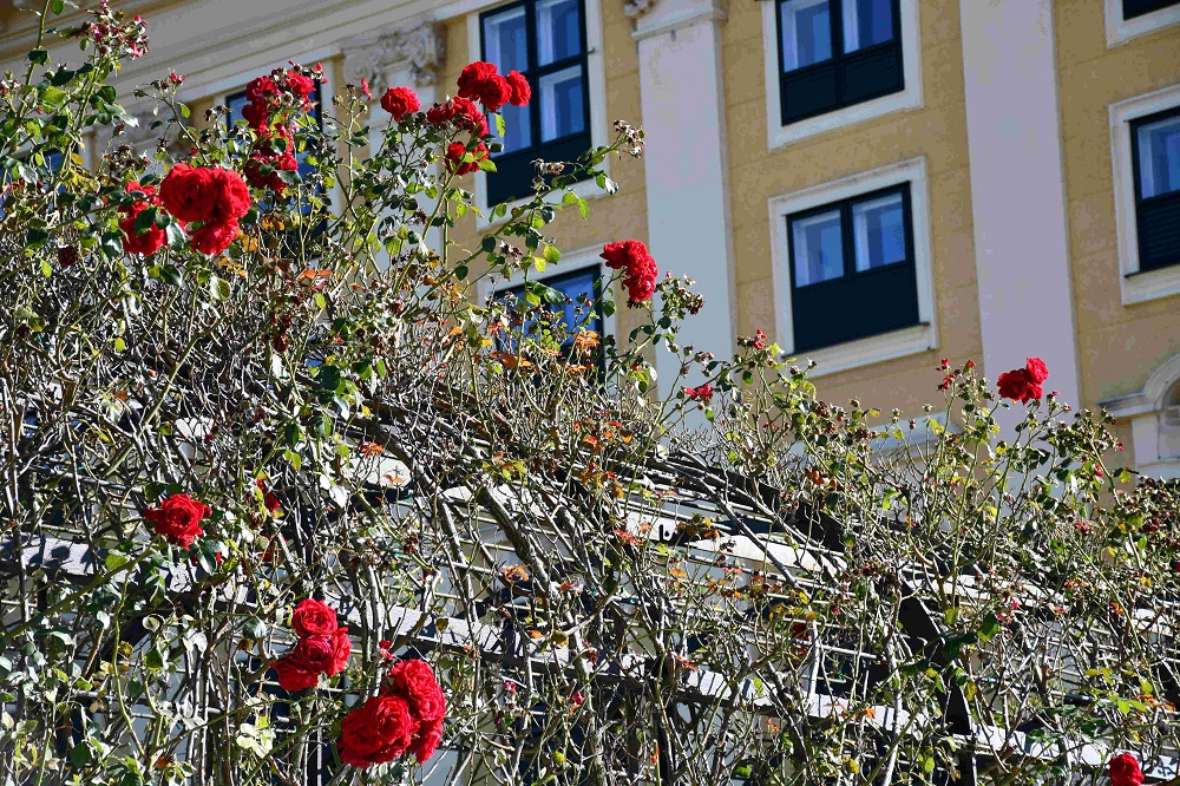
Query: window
point(581, 290)
point(1155, 150)
point(1134, 8)
point(836, 53)
point(852, 269)
point(546, 41)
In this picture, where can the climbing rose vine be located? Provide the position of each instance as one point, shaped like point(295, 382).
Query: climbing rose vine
point(315, 470)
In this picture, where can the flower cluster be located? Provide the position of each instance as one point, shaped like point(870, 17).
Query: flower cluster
point(405, 717)
point(640, 269)
point(1024, 384)
point(401, 102)
point(323, 647)
point(274, 150)
point(215, 196)
point(1125, 771)
point(178, 518)
point(150, 239)
point(481, 81)
point(702, 393)
point(110, 33)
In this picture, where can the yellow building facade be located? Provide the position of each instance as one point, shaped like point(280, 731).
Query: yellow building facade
point(876, 184)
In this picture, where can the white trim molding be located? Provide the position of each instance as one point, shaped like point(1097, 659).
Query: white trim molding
point(1155, 434)
point(596, 73)
point(1119, 30)
point(874, 349)
point(1136, 286)
point(909, 98)
point(1018, 206)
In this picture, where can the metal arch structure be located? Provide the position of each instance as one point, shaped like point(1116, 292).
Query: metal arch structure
point(687, 485)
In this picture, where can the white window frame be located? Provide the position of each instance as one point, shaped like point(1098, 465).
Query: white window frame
point(1136, 286)
point(1120, 31)
point(910, 96)
point(596, 73)
point(910, 340)
point(575, 261)
point(1144, 411)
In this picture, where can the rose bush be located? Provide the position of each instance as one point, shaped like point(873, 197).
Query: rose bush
point(410, 531)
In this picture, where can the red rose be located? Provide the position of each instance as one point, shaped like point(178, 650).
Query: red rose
point(426, 742)
point(150, 240)
point(472, 77)
point(461, 111)
point(759, 340)
point(257, 115)
point(455, 153)
point(300, 86)
point(702, 393)
point(313, 618)
point(186, 192)
point(213, 194)
point(262, 90)
point(1024, 384)
point(640, 269)
point(341, 650)
point(495, 93)
point(519, 85)
point(414, 680)
point(178, 518)
point(365, 90)
point(1125, 771)
point(262, 169)
point(310, 657)
point(293, 677)
point(400, 102)
point(212, 239)
point(1037, 370)
point(378, 731)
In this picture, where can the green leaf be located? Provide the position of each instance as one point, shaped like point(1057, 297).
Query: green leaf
point(551, 254)
point(57, 6)
point(500, 125)
point(39, 56)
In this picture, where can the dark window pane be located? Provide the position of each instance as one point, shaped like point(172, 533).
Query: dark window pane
point(505, 40)
point(867, 22)
point(1133, 8)
point(1159, 157)
point(818, 248)
point(562, 102)
point(831, 304)
point(878, 232)
point(518, 134)
point(581, 291)
point(806, 31)
point(559, 30)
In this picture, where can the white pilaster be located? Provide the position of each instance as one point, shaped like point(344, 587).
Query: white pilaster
point(683, 109)
point(1018, 191)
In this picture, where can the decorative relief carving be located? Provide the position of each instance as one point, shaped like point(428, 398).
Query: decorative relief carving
point(636, 8)
point(422, 47)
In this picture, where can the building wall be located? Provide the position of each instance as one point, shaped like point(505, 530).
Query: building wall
point(1119, 344)
point(935, 130)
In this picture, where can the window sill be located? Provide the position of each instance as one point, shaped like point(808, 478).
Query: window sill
point(781, 136)
point(1151, 285)
point(1120, 31)
point(875, 349)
